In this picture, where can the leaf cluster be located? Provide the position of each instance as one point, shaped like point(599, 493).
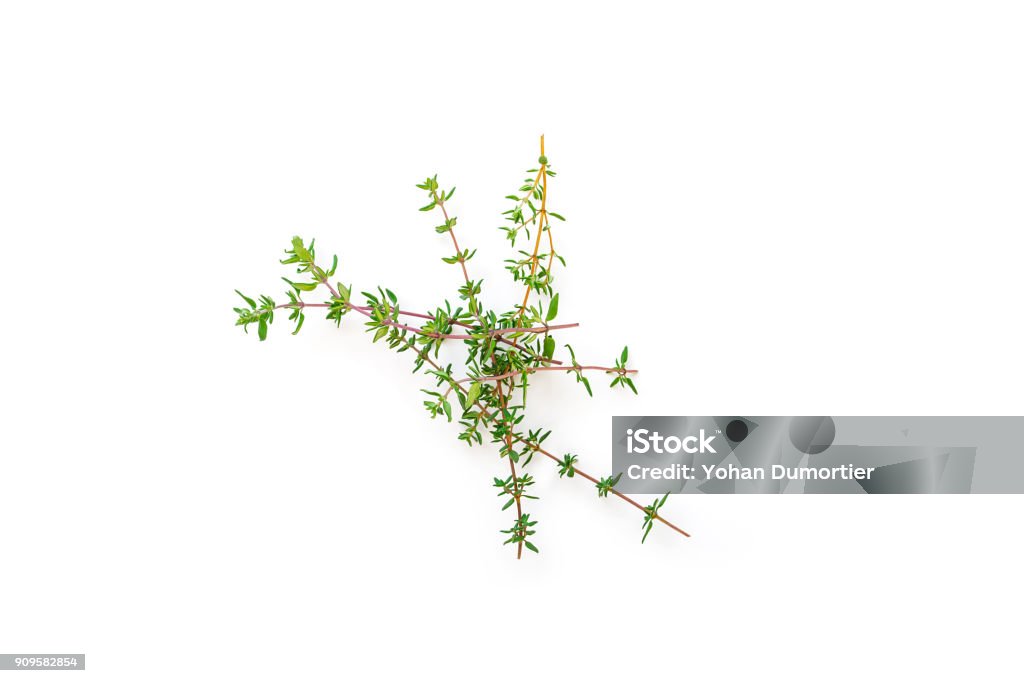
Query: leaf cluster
point(651, 514)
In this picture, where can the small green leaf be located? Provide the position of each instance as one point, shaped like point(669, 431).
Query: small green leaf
point(625, 354)
point(531, 546)
point(549, 347)
point(474, 393)
point(300, 250)
point(572, 354)
point(552, 309)
point(263, 328)
point(252, 304)
point(301, 286)
point(380, 333)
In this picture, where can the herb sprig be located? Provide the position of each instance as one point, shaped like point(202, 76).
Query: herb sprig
point(503, 350)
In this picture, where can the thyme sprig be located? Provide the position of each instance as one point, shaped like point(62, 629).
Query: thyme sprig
point(503, 350)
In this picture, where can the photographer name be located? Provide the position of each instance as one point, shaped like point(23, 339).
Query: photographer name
point(731, 472)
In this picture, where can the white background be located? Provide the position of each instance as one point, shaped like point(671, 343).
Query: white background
point(783, 208)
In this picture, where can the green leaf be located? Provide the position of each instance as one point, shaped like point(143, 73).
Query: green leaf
point(558, 216)
point(300, 250)
point(263, 328)
point(531, 546)
point(572, 354)
point(549, 347)
point(301, 286)
point(252, 304)
point(380, 333)
point(625, 354)
point(586, 383)
point(298, 325)
point(552, 309)
point(428, 207)
point(474, 393)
